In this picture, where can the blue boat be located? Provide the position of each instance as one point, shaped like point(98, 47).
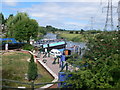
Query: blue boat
point(56, 45)
point(12, 43)
point(52, 44)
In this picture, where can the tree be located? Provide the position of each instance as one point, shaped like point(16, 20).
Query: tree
point(50, 28)
point(71, 32)
point(42, 30)
point(10, 25)
point(22, 28)
point(13, 20)
point(26, 29)
point(2, 23)
point(2, 20)
point(32, 70)
point(82, 31)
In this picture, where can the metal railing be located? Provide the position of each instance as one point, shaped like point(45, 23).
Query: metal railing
point(31, 84)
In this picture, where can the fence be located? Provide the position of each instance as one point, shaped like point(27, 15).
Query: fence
point(31, 84)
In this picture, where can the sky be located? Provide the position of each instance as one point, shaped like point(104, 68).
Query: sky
point(63, 14)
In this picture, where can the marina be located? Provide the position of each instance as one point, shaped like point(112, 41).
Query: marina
point(56, 64)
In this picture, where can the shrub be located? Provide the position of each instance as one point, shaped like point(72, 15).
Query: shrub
point(28, 47)
point(32, 69)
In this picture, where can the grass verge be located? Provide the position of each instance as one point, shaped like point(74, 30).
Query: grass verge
point(15, 66)
point(76, 37)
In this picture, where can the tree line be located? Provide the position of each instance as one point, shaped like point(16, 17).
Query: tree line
point(23, 28)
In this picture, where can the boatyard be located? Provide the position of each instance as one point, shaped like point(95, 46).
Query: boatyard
point(54, 64)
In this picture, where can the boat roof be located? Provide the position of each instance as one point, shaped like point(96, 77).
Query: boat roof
point(55, 50)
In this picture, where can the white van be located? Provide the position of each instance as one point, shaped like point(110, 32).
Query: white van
point(55, 52)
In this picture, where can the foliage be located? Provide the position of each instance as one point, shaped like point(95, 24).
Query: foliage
point(52, 29)
point(93, 31)
point(32, 69)
point(102, 57)
point(42, 30)
point(2, 23)
point(21, 27)
point(71, 32)
point(73, 59)
point(10, 26)
point(2, 20)
point(26, 29)
point(28, 47)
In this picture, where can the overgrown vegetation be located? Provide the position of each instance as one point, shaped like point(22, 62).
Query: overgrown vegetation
point(28, 47)
point(103, 59)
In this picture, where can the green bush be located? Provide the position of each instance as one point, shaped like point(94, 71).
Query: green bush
point(32, 69)
point(102, 58)
point(28, 47)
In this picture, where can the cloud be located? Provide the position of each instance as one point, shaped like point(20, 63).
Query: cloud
point(68, 15)
point(10, 2)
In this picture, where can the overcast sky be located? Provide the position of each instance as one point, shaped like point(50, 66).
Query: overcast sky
point(63, 14)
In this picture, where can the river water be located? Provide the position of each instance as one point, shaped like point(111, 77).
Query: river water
point(69, 43)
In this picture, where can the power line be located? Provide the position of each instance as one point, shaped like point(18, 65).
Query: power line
point(109, 17)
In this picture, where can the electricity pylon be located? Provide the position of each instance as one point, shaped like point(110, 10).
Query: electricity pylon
point(119, 15)
point(91, 23)
point(109, 17)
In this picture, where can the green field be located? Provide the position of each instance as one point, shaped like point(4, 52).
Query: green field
point(15, 66)
point(76, 37)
